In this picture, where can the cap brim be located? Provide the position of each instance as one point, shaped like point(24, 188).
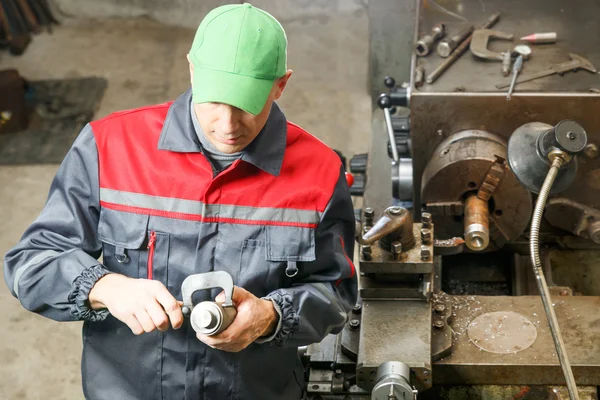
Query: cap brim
point(248, 93)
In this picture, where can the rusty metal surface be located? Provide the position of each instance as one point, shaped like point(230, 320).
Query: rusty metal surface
point(410, 262)
point(504, 392)
point(575, 23)
point(395, 331)
point(451, 113)
point(578, 316)
point(458, 166)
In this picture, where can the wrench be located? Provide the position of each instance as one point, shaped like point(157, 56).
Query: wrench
point(574, 64)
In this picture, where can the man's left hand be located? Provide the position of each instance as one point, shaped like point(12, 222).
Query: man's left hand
point(255, 318)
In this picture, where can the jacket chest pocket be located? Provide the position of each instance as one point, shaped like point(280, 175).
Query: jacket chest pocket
point(275, 260)
point(131, 248)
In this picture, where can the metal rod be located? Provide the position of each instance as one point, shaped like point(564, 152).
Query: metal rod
point(459, 50)
point(390, 129)
point(541, 280)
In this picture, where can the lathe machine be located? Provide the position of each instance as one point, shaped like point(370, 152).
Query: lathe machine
point(479, 239)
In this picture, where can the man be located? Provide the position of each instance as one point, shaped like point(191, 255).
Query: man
point(216, 180)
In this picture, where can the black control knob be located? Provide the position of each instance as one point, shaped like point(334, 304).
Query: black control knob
point(389, 82)
point(384, 101)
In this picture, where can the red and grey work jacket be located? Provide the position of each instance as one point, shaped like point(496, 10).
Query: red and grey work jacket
point(137, 189)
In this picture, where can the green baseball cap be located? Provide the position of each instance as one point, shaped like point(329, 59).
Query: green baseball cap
point(238, 52)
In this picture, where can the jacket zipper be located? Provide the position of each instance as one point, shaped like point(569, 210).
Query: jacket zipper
point(151, 243)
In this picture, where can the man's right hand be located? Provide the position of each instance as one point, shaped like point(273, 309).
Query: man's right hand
point(142, 304)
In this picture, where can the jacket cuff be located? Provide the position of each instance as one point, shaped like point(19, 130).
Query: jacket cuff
point(80, 292)
point(265, 339)
point(289, 320)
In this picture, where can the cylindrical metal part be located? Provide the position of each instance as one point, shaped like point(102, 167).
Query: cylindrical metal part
point(390, 130)
point(446, 46)
point(419, 76)
point(477, 226)
point(402, 180)
point(393, 382)
point(211, 318)
point(425, 44)
point(459, 51)
point(506, 63)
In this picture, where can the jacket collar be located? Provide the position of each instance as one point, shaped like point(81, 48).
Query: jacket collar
point(265, 152)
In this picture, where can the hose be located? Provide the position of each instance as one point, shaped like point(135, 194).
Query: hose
point(534, 246)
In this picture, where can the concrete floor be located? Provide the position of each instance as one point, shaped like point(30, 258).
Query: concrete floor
point(145, 63)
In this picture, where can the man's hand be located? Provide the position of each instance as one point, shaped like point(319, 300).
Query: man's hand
point(142, 304)
point(255, 318)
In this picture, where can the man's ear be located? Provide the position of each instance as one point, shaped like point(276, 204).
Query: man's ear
point(191, 68)
point(281, 83)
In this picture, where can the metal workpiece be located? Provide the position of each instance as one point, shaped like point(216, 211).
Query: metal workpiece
point(211, 318)
point(446, 46)
point(395, 224)
point(530, 146)
point(393, 382)
point(425, 44)
point(459, 51)
point(477, 231)
point(471, 162)
point(208, 317)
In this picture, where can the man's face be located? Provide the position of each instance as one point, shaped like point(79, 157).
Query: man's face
point(231, 129)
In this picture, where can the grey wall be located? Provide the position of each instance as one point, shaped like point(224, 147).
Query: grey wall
point(188, 13)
